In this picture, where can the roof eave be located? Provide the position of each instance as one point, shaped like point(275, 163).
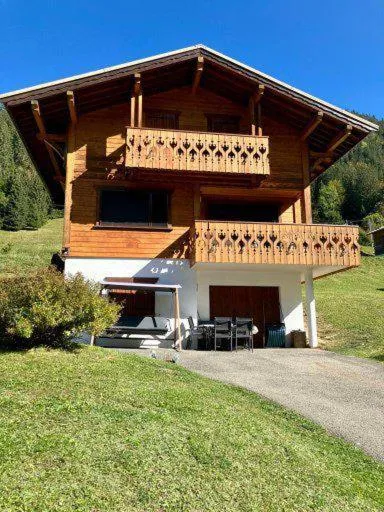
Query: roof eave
point(274, 83)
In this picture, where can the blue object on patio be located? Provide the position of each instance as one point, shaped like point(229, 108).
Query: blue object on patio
point(275, 335)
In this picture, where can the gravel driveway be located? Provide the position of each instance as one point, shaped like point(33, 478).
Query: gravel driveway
point(343, 394)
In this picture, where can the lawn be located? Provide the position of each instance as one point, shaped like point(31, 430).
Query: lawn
point(96, 430)
point(22, 251)
point(350, 307)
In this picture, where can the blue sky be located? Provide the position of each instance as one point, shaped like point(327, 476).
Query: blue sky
point(331, 49)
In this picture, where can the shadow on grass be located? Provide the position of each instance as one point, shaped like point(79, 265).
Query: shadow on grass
point(22, 345)
point(378, 357)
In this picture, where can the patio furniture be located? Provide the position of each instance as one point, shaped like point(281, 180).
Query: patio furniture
point(223, 333)
point(243, 332)
point(126, 325)
point(196, 335)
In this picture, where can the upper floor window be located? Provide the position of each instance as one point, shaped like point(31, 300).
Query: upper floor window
point(220, 123)
point(135, 208)
point(166, 119)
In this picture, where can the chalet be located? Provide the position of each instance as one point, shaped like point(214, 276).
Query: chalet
point(190, 172)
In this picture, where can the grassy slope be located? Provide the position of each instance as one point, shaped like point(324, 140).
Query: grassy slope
point(25, 250)
point(97, 430)
point(351, 310)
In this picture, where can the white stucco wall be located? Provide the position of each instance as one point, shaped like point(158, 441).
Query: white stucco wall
point(194, 293)
point(171, 271)
point(288, 282)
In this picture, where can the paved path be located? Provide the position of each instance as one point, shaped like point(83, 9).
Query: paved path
point(344, 394)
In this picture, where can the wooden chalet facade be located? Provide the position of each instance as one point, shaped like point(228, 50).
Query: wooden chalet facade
point(193, 169)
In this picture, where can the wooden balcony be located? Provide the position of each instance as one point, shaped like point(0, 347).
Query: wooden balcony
point(177, 150)
point(286, 244)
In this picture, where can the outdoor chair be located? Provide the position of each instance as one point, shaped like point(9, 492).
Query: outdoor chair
point(196, 334)
point(223, 333)
point(243, 332)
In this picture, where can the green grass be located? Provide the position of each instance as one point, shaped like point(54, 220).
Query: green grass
point(100, 431)
point(350, 307)
point(22, 251)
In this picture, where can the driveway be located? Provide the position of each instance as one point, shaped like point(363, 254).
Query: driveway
point(343, 394)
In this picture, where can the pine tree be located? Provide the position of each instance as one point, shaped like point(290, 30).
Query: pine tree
point(38, 204)
point(331, 197)
point(16, 209)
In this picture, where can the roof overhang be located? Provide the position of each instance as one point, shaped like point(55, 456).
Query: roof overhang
point(222, 75)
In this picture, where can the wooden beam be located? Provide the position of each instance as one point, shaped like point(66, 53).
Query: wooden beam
point(43, 132)
point(257, 103)
point(138, 101)
point(72, 106)
point(52, 137)
point(137, 85)
point(198, 73)
point(306, 205)
point(37, 115)
point(259, 94)
point(339, 139)
point(312, 125)
point(69, 175)
point(133, 109)
point(251, 106)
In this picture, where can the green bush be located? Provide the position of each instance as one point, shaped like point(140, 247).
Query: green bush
point(47, 309)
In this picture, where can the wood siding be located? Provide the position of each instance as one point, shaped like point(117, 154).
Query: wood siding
point(98, 157)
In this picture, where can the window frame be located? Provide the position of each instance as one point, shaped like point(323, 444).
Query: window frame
point(211, 118)
point(99, 224)
point(157, 111)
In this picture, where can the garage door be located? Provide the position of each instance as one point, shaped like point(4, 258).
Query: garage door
point(262, 303)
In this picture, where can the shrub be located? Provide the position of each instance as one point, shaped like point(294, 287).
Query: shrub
point(47, 309)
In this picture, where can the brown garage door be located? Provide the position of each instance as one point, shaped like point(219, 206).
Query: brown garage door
point(261, 303)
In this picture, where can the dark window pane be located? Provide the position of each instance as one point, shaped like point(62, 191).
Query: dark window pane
point(138, 207)
point(161, 119)
point(223, 124)
point(251, 212)
point(159, 208)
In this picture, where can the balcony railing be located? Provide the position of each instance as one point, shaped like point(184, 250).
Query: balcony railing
point(296, 244)
point(178, 150)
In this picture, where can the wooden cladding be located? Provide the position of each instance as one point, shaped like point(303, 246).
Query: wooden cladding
point(297, 244)
point(197, 152)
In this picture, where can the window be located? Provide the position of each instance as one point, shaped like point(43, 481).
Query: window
point(165, 119)
point(220, 123)
point(136, 208)
point(244, 212)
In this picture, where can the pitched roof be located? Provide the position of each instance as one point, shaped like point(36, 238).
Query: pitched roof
point(222, 74)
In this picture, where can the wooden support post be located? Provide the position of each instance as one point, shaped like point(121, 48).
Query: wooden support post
point(198, 73)
point(42, 133)
point(72, 106)
point(311, 126)
point(178, 342)
point(339, 139)
point(306, 206)
point(257, 101)
point(137, 89)
point(252, 115)
point(133, 109)
point(69, 175)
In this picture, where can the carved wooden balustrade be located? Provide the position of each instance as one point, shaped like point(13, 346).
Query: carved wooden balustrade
point(298, 244)
point(196, 151)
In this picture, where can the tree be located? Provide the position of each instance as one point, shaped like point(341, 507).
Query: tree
point(38, 204)
point(24, 201)
point(16, 209)
point(330, 200)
